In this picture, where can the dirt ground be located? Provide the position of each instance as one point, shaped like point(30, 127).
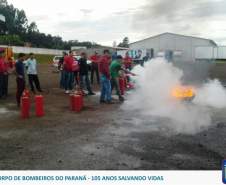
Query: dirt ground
point(101, 137)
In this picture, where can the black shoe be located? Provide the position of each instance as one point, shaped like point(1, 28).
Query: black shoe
point(40, 90)
point(121, 99)
point(91, 94)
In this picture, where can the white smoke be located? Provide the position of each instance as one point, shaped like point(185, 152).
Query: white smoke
point(152, 98)
point(211, 94)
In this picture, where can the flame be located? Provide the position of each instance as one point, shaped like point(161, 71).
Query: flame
point(182, 92)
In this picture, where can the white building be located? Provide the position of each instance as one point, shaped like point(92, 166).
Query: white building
point(2, 18)
point(173, 46)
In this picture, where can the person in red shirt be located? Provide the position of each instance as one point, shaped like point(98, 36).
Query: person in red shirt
point(94, 67)
point(3, 74)
point(127, 61)
point(69, 73)
point(104, 69)
point(11, 64)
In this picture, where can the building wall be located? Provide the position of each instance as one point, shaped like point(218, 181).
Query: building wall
point(200, 43)
point(173, 42)
point(27, 50)
point(210, 52)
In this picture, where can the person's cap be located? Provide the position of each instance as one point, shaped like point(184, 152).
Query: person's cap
point(2, 50)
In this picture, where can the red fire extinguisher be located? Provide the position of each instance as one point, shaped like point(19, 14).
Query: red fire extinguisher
point(72, 105)
point(26, 93)
point(39, 105)
point(25, 107)
point(76, 102)
point(122, 86)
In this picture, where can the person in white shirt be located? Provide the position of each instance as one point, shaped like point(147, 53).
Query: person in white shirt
point(31, 66)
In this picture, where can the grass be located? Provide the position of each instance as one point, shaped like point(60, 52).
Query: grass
point(221, 61)
point(42, 59)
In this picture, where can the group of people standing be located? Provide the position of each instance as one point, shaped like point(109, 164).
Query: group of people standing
point(74, 73)
point(110, 72)
point(107, 70)
point(8, 66)
point(29, 64)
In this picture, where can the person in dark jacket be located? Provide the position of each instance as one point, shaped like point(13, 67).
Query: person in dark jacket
point(20, 80)
point(84, 73)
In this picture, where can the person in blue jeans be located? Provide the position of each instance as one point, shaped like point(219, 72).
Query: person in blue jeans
point(104, 68)
point(105, 90)
point(69, 74)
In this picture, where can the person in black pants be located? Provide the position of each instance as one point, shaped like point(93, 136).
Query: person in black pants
point(83, 73)
point(34, 79)
point(20, 80)
point(31, 66)
point(94, 67)
point(2, 72)
point(5, 84)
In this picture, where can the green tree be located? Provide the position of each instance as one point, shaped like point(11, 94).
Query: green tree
point(124, 43)
point(20, 22)
point(32, 28)
point(11, 40)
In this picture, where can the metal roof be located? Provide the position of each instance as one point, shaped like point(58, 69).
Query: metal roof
point(176, 35)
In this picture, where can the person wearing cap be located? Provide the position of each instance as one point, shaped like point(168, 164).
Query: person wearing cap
point(94, 67)
point(31, 66)
point(83, 73)
point(3, 74)
point(20, 74)
point(115, 68)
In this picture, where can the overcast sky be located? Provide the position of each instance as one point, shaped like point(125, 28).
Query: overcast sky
point(105, 21)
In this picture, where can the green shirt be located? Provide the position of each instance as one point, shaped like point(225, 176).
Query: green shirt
point(115, 67)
